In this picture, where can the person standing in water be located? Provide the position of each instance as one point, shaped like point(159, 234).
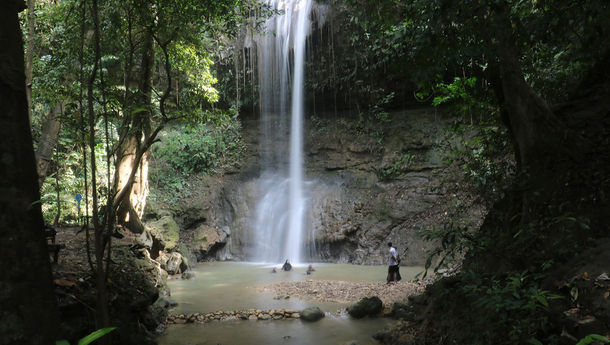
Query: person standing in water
point(392, 264)
point(287, 266)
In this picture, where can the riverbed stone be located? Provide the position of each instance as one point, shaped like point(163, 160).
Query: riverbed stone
point(173, 263)
point(366, 306)
point(187, 275)
point(164, 302)
point(312, 314)
point(252, 317)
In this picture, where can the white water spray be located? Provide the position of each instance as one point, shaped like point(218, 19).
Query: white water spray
point(279, 225)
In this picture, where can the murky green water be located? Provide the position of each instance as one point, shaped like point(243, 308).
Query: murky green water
point(328, 331)
point(236, 286)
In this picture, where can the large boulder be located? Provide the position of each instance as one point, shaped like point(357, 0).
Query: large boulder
point(312, 314)
point(164, 302)
point(152, 240)
point(366, 306)
point(187, 275)
point(144, 240)
point(207, 237)
point(173, 263)
point(165, 229)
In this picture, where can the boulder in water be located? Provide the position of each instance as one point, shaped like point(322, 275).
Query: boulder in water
point(312, 314)
point(173, 263)
point(187, 275)
point(164, 302)
point(366, 306)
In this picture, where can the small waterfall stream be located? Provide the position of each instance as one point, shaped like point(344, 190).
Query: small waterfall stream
point(279, 224)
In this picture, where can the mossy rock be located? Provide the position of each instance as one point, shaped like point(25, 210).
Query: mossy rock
point(366, 306)
point(312, 314)
point(206, 237)
point(168, 228)
point(154, 210)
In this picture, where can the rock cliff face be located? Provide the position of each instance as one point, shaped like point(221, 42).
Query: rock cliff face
point(362, 194)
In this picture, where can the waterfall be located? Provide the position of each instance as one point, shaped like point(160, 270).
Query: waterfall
point(279, 226)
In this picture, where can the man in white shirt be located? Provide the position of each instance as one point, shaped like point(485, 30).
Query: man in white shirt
point(393, 264)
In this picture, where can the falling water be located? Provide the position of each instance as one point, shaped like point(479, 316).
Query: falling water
point(279, 224)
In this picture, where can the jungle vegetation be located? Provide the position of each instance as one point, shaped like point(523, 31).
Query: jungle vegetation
point(92, 84)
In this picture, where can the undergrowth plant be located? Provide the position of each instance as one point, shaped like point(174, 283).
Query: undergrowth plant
point(194, 149)
point(89, 338)
point(513, 305)
point(400, 166)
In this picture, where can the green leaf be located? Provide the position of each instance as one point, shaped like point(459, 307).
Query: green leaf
point(95, 335)
point(542, 301)
point(139, 110)
point(592, 337)
point(62, 342)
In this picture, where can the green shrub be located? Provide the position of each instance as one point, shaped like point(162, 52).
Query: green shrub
point(201, 148)
point(193, 149)
point(512, 305)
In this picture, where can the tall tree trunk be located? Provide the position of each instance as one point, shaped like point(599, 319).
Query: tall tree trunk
point(29, 59)
point(131, 206)
point(28, 307)
point(539, 136)
point(48, 140)
point(102, 313)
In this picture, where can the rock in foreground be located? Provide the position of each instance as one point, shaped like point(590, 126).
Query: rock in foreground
point(366, 306)
point(312, 314)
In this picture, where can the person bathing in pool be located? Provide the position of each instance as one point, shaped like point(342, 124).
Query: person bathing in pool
point(287, 266)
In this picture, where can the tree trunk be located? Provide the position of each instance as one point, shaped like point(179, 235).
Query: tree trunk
point(102, 308)
point(131, 207)
point(537, 133)
point(48, 140)
point(29, 65)
point(27, 303)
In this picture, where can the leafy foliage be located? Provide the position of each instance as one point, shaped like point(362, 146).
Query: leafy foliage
point(89, 338)
point(485, 158)
point(513, 305)
point(201, 149)
point(593, 338)
point(194, 149)
point(398, 168)
point(67, 180)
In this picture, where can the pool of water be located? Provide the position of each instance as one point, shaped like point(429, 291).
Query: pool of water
point(236, 286)
point(328, 331)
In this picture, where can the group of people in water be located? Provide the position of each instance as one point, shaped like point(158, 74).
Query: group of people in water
point(288, 267)
point(393, 266)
